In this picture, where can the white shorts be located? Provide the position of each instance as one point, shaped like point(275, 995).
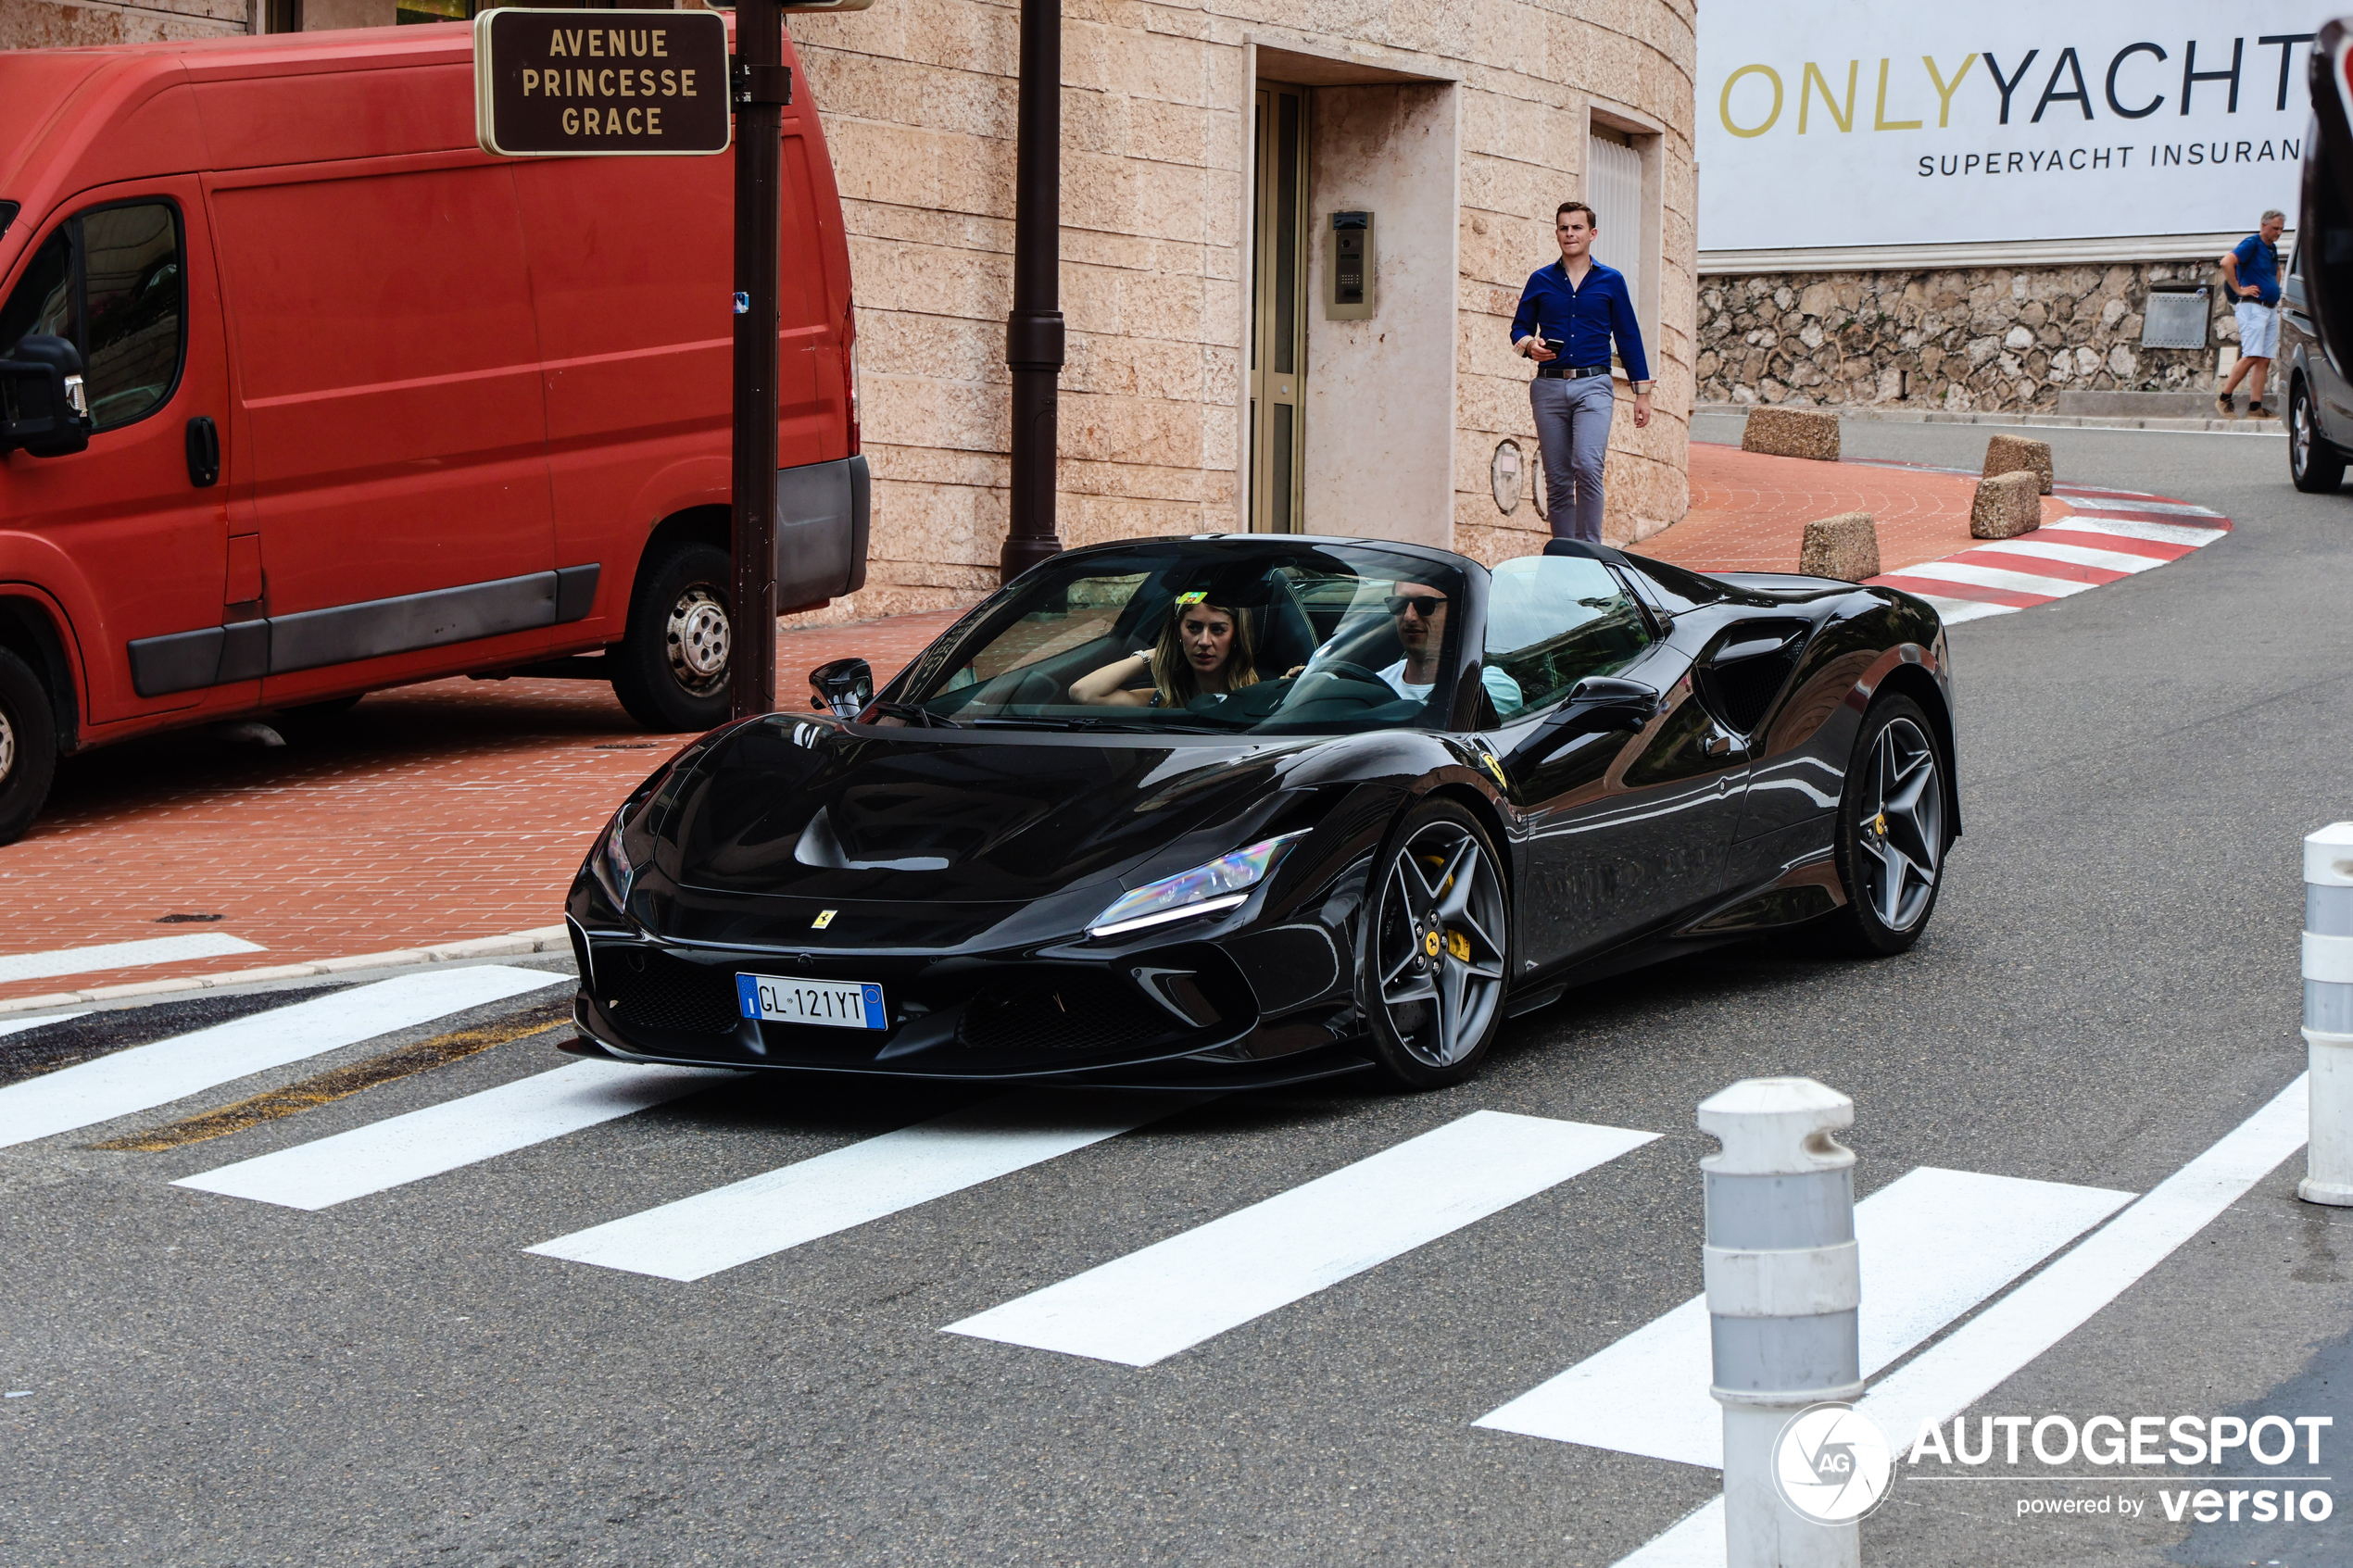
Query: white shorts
point(2259, 330)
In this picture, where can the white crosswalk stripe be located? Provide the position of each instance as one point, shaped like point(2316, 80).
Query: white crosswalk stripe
point(1934, 1244)
point(781, 1209)
point(122, 955)
point(18, 1026)
point(442, 1138)
point(146, 1076)
point(1986, 1352)
point(1151, 1304)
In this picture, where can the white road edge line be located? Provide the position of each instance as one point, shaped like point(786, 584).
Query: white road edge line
point(765, 1214)
point(438, 1138)
point(2010, 1335)
point(1175, 1294)
point(162, 1070)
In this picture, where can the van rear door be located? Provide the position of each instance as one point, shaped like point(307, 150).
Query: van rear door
point(135, 548)
point(388, 365)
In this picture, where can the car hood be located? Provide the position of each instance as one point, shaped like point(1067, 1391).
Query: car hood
point(804, 808)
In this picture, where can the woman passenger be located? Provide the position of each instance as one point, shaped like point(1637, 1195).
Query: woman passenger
point(1202, 649)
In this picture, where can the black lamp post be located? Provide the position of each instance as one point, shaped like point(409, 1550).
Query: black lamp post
point(760, 89)
point(1034, 330)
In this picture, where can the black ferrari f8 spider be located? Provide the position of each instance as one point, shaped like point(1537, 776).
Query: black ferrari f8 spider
point(1253, 809)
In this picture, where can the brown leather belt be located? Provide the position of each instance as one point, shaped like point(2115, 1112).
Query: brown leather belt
point(1570, 372)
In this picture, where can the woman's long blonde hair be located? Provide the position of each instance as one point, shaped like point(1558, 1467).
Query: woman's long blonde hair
point(1173, 673)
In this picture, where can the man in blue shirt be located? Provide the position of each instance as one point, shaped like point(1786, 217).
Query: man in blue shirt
point(1567, 316)
point(2251, 280)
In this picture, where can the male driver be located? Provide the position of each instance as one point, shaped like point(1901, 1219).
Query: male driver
point(1420, 610)
point(1568, 314)
point(2251, 275)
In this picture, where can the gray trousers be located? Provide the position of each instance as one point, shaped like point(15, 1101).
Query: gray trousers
point(1572, 430)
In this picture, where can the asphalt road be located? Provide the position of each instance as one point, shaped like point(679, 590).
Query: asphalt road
point(2110, 986)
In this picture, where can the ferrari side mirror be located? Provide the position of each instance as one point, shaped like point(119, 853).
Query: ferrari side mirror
point(1596, 705)
point(2324, 224)
point(843, 687)
point(42, 407)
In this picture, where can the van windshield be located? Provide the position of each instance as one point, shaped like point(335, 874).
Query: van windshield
point(1203, 636)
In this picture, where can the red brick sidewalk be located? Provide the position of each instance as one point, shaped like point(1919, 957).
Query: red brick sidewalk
point(1749, 512)
point(458, 809)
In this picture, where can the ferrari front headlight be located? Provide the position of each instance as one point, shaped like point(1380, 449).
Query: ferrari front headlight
point(1221, 884)
point(608, 862)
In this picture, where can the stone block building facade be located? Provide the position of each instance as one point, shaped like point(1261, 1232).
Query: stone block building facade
point(1460, 123)
point(1207, 145)
point(1950, 339)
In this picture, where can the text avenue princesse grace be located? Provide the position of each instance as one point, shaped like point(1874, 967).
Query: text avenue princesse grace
point(617, 83)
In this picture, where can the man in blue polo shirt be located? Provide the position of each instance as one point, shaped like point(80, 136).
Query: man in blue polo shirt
point(2251, 282)
point(1567, 316)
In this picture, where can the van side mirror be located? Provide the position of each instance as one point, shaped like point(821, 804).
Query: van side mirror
point(843, 687)
point(43, 408)
point(2324, 224)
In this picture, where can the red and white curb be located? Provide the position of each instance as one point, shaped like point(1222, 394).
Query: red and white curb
point(2108, 535)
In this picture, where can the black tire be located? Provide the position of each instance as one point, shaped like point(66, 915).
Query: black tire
point(1435, 951)
point(1894, 828)
point(28, 746)
point(669, 669)
point(2315, 466)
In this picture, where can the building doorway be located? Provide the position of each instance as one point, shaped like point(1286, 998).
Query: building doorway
point(1278, 314)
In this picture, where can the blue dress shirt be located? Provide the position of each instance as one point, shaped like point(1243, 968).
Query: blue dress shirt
point(1587, 318)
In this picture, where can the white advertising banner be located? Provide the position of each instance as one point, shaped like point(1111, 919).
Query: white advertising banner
point(1848, 123)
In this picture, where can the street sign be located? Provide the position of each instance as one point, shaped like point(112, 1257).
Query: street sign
point(601, 83)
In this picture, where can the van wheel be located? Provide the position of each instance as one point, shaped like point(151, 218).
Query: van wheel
point(669, 669)
point(28, 746)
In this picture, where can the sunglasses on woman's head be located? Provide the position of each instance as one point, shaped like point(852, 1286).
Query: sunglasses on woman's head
point(1425, 605)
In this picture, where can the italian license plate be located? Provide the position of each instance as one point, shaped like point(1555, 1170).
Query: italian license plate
point(833, 1004)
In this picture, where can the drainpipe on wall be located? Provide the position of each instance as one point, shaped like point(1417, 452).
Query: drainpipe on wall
point(1034, 330)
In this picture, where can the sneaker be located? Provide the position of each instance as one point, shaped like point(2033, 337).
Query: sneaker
point(2257, 411)
point(2222, 407)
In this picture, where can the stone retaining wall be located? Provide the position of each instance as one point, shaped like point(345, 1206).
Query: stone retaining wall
point(1955, 338)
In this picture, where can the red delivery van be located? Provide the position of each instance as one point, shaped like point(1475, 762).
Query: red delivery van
point(302, 394)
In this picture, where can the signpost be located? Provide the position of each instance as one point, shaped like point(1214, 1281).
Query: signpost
point(662, 84)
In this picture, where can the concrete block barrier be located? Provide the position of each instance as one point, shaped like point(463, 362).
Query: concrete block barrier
point(1792, 433)
point(2009, 454)
point(1845, 546)
point(2007, 505)
point(2328, 1014)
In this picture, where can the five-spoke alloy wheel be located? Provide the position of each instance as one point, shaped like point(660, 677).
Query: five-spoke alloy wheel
point(1892, 829)
point(1439, 949)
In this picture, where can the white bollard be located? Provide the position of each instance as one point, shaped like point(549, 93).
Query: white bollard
point(2327, 1013)
point(1784, 1282)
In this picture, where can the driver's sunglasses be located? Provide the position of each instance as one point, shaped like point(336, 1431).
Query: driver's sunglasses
point(1425, 605)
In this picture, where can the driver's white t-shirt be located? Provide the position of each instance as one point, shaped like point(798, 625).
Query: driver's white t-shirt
point(1502, 690)
point(1395, 676)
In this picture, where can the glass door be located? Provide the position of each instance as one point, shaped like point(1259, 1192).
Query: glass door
point(1279, 309)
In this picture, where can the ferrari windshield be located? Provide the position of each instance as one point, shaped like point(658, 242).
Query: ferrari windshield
point(1279, 635)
